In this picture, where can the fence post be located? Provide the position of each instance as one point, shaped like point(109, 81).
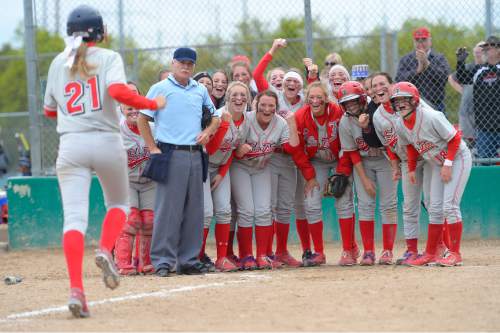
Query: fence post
point(121, 37)
point(395, 53)
point(31, 76)
point(135, 64)
point(308, 29)
point(487, 18)
point(383, 49)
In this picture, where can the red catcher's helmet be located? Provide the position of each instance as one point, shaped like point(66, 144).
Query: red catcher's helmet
point(405, 89)
point(351, 90)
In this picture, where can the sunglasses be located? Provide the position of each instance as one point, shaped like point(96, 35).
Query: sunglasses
point(327, 63)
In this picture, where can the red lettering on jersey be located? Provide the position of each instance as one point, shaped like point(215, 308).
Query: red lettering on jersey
point(424, 146)
point(136, 156)
point(362, 145)
point(390, 137)
point(94, 93)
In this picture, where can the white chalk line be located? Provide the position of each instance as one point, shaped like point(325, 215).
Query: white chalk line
point(160, 293)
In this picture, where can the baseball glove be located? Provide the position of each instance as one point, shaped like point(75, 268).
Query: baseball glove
point(336, 186)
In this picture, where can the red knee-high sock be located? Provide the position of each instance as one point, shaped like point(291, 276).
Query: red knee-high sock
point(111, 228)
point(316, 230)
point(282, 230)
point(455, 230)
point(303, 231)
point(412, 245)
point(204, 243)
point(367, 229)
point(222, 239)
point(354, 244)
point(270, 242)
point(262, 234)
point(245, 241)
point(73, 246)
point(230, 241)
point(434, 232)
point(346, 233)
point(446, 234)
point(389, 235)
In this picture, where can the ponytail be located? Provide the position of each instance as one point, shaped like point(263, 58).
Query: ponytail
point(80, 64)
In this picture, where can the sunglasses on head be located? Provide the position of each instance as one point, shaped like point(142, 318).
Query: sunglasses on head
point(330, 63)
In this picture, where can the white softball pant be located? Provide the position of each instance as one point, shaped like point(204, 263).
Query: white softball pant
point(251, 191)
point(312, 203)
point(378, 170)
point(217, 202)
point(445, 197)
point(283, 186)
point(80, 154)
point(412, 196)
point(142, 195)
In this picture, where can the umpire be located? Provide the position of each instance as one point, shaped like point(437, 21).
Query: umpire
point(177, 161)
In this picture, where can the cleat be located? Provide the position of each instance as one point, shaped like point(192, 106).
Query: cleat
point(385, 258)
point(451, 259)
point(110, 274)
point(225, 265)
point(355, 252)
point(209, 264)
point(407, 256)
point(307, 259)
point(287, 260)
point(248, 263)
point(423, 260)
point(127, 270)
point(318, 259)
point(368, 259)
point(264, 262)
point(235, 260)
point(346, 259)
point(441, 251)
point(77, 304)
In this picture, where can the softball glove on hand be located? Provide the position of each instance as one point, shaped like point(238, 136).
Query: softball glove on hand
point(336, 186)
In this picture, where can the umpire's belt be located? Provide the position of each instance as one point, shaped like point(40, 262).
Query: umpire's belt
point(167, 146)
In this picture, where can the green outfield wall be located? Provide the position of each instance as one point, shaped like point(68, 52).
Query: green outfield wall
point(36, 217)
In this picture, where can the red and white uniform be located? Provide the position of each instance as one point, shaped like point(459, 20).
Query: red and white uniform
point(385, 122)
point(250, 180)
point(318, 154)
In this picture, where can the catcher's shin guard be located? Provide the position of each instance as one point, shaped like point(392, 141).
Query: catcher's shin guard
point(145, 265)
point(125, 244)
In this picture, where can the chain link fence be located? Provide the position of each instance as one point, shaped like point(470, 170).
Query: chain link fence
point(377, 33)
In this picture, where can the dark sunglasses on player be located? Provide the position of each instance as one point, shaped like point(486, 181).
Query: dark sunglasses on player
point(328, 63)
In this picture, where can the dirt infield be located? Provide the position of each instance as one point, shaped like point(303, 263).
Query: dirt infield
point(328, 298)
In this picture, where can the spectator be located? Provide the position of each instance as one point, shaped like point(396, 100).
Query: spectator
point(331, 60)
point(466, 111)
point(4, 161)
point(178, 220)
point(486, 95)
point(425, 68)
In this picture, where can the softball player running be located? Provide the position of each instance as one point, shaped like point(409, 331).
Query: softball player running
point(82, 82)
point(318, 153)
point(283, 170)
point(371, 167)
point(217, 189)
point(428, 133)
point(262, 132)
point(141, 193)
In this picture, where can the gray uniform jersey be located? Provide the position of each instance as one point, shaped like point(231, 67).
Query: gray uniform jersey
point(430, 135)
point(230, 142)
point(385, 127)
point(83, 104)
point(351, 138)
point(324, 153)
point(263, 142)
point(137, 153)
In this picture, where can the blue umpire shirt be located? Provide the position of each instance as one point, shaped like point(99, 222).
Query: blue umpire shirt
point(179, 122)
